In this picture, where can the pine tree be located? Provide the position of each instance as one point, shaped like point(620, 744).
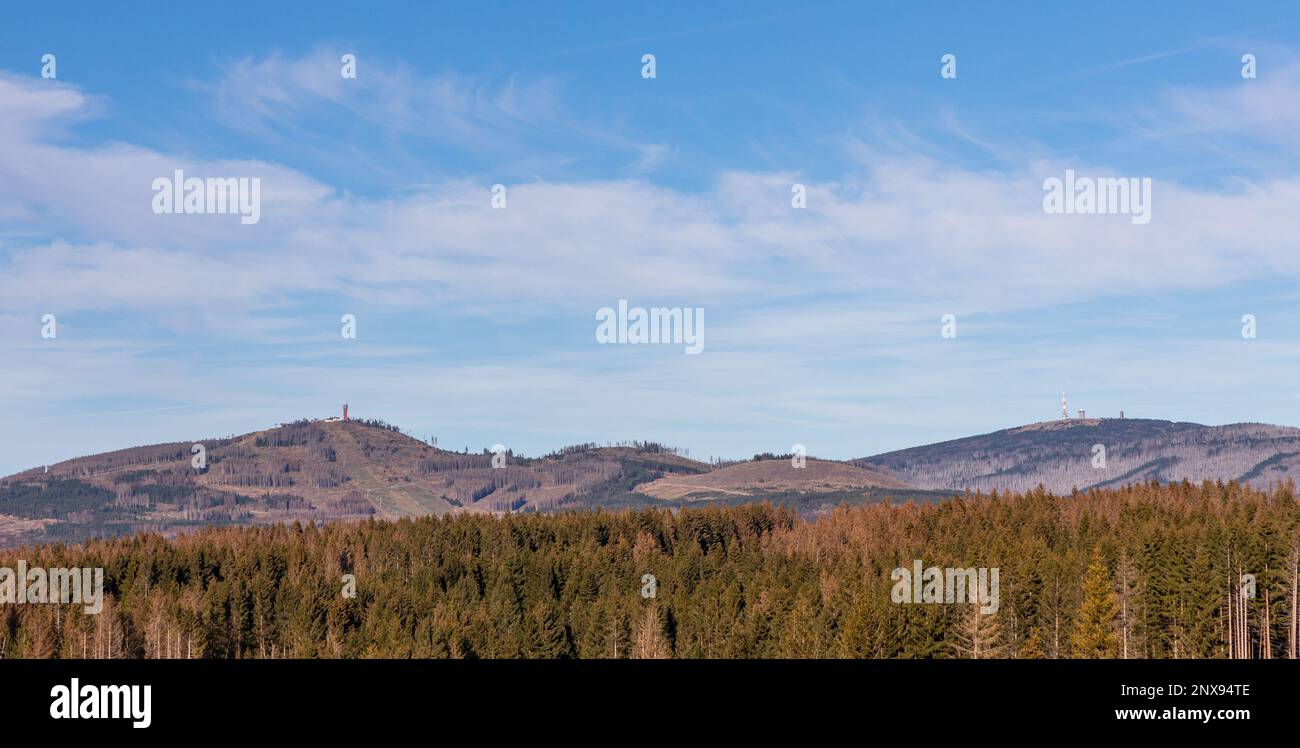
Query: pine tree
point(1093, 635)
point(801, 637)
point(618, 642)
point(1032, 648)
point(978, 635)
point(649, 643)
point(1128, 594)
point(548, 637)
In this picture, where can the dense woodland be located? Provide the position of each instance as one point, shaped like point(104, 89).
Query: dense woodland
point(1145, 571)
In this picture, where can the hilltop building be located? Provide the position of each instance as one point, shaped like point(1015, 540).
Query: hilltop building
point(334, 419)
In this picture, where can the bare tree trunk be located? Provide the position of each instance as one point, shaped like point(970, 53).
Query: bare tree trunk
point(1266, 636)
point(1243, 621)
point(1056, 624)
point(1232, 620)
point(1293, 564)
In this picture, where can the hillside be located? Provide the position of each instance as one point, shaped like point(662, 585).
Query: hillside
point(307, 471)
point(1059, 455)
point(321, 471)
point(762, 477)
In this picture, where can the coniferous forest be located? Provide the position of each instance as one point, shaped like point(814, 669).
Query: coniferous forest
point(1146, 571)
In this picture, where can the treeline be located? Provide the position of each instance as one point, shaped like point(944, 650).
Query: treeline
point(1148, 571)
point(54, 497)
point(636, 445)
point(123, 459)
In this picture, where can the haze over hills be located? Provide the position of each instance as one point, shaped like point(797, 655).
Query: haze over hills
point(1060, 455)
point(329, 470)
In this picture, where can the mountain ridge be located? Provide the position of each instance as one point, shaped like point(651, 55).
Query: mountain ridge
point(1063, 455)
point(336, 470)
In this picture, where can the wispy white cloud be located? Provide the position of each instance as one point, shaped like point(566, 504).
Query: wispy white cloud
point(289, 101)
point(816, 311)
point(900, 224)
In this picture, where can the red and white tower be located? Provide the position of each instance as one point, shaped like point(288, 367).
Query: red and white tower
point(345, 411)
point(1065, 415)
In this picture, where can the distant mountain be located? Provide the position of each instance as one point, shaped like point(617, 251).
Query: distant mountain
point(311, 471)
point(1060, 456)
point(765, 477)
point(317, 471)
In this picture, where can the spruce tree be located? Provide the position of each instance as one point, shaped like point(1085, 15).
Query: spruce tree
point(1093, 635)
point(1032, 649)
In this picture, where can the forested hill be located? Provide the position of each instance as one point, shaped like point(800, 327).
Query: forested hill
point(1063, 455)
point(1147, 571)
point(311, 471)
point(331, 470)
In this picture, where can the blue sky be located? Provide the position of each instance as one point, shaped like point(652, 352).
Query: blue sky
point(477, 325)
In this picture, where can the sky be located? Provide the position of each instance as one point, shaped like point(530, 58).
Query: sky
point(824, 324)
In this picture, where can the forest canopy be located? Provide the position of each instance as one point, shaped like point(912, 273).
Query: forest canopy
point(1146, 571)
